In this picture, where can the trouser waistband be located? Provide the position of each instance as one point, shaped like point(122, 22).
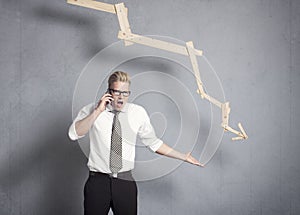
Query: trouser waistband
point(122, 175)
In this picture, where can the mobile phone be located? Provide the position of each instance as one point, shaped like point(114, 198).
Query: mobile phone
point(107, 91)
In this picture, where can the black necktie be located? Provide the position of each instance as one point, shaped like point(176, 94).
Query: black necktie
point(116, 145)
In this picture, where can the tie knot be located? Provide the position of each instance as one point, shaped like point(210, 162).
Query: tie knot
point(116, 112)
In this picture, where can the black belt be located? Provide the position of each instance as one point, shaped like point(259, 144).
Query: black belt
point(122, 175)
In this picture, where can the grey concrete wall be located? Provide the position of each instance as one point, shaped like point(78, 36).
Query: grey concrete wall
point(254, 45)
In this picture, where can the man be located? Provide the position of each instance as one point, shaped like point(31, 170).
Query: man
point(113, 126)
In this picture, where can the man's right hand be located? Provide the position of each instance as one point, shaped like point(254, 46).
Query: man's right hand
point(82, 126)
point(106, 98)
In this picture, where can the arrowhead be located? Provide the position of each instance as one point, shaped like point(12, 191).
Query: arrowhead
point(242, 134)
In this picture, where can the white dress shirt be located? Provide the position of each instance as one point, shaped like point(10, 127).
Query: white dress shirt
point(134, 121)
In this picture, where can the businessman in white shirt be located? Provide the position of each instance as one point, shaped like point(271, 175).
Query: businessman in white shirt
point(113, 125)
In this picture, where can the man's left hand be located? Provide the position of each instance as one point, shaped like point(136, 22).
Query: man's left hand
point(190, 159)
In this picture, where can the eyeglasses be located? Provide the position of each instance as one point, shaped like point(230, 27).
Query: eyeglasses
point(118, 92)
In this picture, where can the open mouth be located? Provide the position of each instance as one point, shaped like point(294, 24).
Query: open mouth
point(120, 102)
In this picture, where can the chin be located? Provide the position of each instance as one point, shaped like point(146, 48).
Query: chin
point(118, 108)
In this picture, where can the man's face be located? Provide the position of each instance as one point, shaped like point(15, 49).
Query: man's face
point(119, 100)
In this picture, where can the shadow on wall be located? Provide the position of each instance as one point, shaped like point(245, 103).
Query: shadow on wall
point(154, 194)
point(45, 172)
point(86, 27)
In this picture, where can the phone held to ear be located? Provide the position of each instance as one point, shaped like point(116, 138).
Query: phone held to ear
point(107, 91)
point(107, 102)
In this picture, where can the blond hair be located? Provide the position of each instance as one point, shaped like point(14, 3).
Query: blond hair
point(118, 76)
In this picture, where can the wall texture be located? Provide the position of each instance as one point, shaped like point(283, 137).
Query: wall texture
point(254, 45)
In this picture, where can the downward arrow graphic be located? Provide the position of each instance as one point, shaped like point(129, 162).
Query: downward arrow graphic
point(188, 50)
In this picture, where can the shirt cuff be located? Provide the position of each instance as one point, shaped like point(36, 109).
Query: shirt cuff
point(72, 132)
point(154, 147)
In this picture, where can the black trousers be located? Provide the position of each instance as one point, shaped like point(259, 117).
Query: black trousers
point(102, 192)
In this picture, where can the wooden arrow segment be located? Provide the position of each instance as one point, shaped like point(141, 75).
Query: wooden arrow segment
point(122, 13)
point(159, 44)
point(224, 106)
point(110, 8)
point(245, 136)
point(125, 33)
point(188, 50)
point(193, 58)
point(225, 119)
point(225, 113)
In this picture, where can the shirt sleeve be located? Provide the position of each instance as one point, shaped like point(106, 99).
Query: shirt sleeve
point(84, 112)
point(147, 134)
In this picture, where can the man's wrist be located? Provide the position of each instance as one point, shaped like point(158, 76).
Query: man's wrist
point(97, 112)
